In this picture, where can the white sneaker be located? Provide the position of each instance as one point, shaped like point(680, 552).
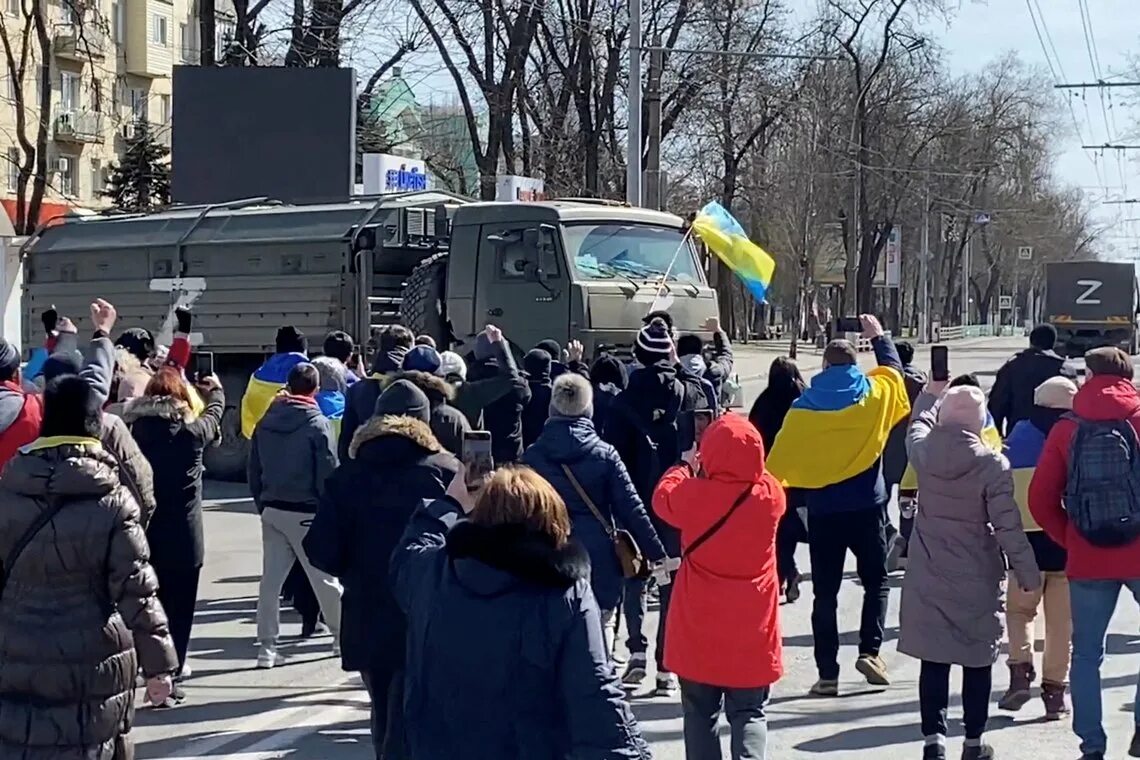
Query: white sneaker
point(667, 685)
point(266, 658)
point(635, 671)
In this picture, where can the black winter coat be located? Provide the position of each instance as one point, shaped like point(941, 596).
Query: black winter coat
point(79, 615)
point(172, 440)
point(360, 400)
point(503, 416)
point(1011, 398)
point(447, 423)
point(600, 472)
point(393, 464)
point(506, 659)
point(537, 411)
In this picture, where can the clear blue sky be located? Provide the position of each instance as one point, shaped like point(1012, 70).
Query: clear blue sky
point(981, 31)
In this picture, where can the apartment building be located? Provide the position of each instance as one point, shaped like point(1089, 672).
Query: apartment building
point(110, 64)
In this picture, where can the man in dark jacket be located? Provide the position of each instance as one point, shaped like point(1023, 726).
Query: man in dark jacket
point(496, 389)
point(394, 463)
point(447, 423)
point(647, 427)
point(539, 370)
point(609, 378)
point(291, 455)
point(392, 343)
point(1011, 399)
point(716, 368)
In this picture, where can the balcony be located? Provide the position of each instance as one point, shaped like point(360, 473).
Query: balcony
point(79, 127)
point(86, 43)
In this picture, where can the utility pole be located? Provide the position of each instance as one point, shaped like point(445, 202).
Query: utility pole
point(654, 192)
point(967, 254)
point(207, 30)
point(924, 270)
point(633, 148)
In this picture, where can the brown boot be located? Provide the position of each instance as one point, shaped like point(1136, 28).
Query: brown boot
point(1053, 695)
point(1021, 677)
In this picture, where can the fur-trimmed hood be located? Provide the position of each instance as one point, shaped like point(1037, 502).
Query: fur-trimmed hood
point(164, 407)
point(438, 390)
point(406, 428)
point(520, 553)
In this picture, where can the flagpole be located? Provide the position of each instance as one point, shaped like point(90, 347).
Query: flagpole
point(673, 261)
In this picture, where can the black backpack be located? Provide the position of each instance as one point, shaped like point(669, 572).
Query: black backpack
point(1102, 494)
point(656, 443)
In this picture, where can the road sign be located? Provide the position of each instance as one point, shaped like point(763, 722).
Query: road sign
point(981, 218)
point(1005, 302)
point(1025, 252)
point(893, 250)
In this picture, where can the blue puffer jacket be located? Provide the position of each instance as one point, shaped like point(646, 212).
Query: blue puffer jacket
point(505, 658)
point(572, 441)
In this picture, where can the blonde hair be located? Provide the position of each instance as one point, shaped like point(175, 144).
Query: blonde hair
point(517, 495)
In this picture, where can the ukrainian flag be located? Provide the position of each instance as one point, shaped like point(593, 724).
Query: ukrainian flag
point(331, 404)
point(990, 438)
point(263, 385)
point(724, 236)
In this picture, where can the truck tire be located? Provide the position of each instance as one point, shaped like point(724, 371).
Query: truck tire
point(423, 301)
point(227, 459)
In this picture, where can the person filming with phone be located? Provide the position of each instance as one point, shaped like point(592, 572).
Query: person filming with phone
point(831, 445)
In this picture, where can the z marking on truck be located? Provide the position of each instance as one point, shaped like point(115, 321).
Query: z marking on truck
point(1091, 286)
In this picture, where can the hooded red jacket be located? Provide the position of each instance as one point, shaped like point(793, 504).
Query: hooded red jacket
point(723, 627)
point(20, 417)
point(1102, 397)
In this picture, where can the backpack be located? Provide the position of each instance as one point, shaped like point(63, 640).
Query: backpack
point(655, 448)
point(1102, 496)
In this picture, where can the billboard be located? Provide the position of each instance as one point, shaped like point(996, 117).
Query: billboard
point(511, 187)
point(385, 173)
point(251, 131)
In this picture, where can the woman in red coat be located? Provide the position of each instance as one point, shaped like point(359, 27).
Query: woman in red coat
point(723, 630)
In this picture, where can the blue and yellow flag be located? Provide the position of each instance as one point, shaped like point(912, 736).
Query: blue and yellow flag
point(990, 437)
point(841, 427)
point(263, 385)
point(724, 236)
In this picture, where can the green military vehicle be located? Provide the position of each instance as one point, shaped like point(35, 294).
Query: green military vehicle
point(439, 263)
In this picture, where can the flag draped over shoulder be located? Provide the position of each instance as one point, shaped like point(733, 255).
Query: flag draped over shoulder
point(263, 385)
point(839, 427)
point(724, 236)
point(990, 437)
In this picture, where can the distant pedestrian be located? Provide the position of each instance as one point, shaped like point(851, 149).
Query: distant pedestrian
point(968, 525)
point(290, 348)
point(423, 368)
point(506, 658)
point(785, 385)
point(340, 346)
point(1011, 398)
point(78, 613)
point(392, 343)
point(392, 465)
point(723, 624)
point(293, 430)
point(609, 377)
point(495, 394)
point(1084, 494)
point(537, 366)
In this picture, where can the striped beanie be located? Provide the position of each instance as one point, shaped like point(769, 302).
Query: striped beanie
point(653, 343)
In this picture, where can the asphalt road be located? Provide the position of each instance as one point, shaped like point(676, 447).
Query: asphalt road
point(307, 709)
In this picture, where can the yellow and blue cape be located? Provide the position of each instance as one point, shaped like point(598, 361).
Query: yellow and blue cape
point(263, 385)
point(839, 427)
point(724, 236)
point(990, 437)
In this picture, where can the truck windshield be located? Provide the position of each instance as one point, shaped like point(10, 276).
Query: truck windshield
point(640, 251)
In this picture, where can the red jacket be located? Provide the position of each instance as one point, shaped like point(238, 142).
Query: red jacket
point(20, 417)
point(1102, 397)
point(723, 627)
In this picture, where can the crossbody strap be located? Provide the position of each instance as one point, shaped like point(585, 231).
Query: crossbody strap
point(42, 519)
point(716, 526)
point(589, 502)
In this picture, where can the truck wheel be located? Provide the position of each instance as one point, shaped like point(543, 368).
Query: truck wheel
point(227, 460)
point(423, 302)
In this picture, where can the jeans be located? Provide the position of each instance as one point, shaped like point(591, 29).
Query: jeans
point(281, 534)
point(829, 538)
point(1093, 604)
point(1021, 610)
point(744, 708)
point(934, 698)
point(635, 607)
point(386, 693)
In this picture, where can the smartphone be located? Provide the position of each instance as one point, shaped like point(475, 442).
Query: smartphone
point(202, 366)
point(476, 454)
point(848, 325)
point(939, 363)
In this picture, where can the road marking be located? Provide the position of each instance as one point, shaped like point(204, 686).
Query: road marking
point(272, 745)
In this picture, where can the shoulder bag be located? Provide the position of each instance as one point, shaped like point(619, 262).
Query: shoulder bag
point(716, 526)
point(628, 553)
point(42, 519)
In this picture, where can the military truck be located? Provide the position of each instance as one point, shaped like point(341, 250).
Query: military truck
point(443, 265)
point(1092, 304)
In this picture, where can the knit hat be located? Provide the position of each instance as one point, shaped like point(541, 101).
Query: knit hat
point(537, 363)
point(965, 406)
point(422, 359)
point(9, 359)
point(62, 363)
point(609, 369)
point(138, 341)
point(290, 340)
point(1055, 393)
point(404, 399)
point(572, 396)
point(451, 364)
point(483, 348)
point(71, 408)
point(653, 343)
point(551, 347)
point(1109, 361)
point(840, 352)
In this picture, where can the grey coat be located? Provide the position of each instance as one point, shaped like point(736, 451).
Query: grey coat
point(291, 455)
point(952, 593)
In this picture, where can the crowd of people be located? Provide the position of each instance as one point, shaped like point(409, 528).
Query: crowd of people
point(483, 606)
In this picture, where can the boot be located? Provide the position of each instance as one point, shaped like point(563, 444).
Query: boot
point(1021, 676)
point(978, 752)
point(1053, 695)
